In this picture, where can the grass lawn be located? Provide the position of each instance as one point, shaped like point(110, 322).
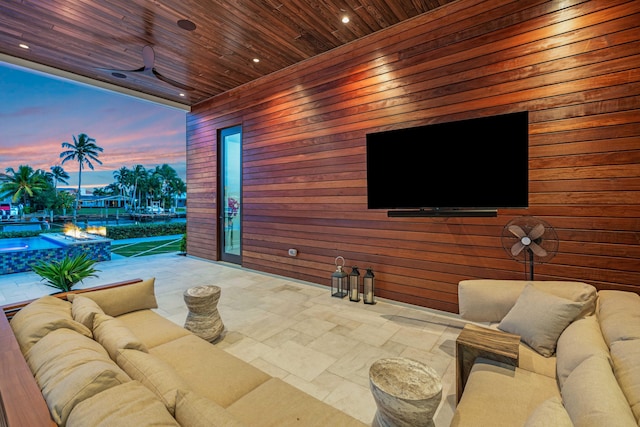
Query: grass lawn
point(146, 248)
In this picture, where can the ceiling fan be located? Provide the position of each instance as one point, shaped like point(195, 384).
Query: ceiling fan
point(148, 69)
point(529, 239)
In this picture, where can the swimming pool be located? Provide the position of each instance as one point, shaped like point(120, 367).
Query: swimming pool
point(17, 255)
point(26, 243)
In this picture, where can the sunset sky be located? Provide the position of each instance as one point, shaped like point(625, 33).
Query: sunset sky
point(39, 112)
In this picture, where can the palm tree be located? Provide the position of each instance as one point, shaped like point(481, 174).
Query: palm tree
point(23, 183)
point(58, 174)
point(83, 150)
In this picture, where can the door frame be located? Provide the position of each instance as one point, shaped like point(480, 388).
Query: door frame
point(221, 203)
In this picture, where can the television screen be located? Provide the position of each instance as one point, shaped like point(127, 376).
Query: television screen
point(477, 163)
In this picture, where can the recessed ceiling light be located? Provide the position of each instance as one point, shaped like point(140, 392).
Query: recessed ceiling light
point(345, 19)
point(256, 60)
point(182, 94)
point(119, 75)
point(24, 46)
point(186, 25)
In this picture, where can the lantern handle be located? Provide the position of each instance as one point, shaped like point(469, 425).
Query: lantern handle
point(336, 261)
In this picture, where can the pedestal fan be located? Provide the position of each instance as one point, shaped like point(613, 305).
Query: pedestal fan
point(529, 240)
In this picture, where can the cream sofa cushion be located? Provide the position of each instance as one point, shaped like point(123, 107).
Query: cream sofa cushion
point(278, 404)
point(84, 309)
point(539, 318)
point(114, 335)
point(152, 328)
point(498, 395)
point(124, 299)
point(579, 341)
point(42, 316)
point(197, 411)
point(549, 413)
point(626, 364)
point(70, 368)
point(126, 405)
point(210, 371)
point(593, 397)
point(155, 374)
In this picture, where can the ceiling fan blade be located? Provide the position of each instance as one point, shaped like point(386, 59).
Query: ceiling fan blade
point(172, 82)
point(517, 231)
point(517, 248)
point(148, 57)
point(538, 250)
point(537, 232)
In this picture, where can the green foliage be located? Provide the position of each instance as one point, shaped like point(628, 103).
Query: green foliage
point(65, 274)
point(183, 243)
point(145, 230)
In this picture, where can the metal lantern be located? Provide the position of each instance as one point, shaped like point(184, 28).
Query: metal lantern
point(368, 287)
point(339, 280)
point(354, 284)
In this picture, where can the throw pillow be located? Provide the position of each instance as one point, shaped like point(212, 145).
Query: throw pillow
point(125, 299)
point(549, 413)
point(539, 318)
point(42, 316)
point(154, 373)
point(84, 309)
point(114, 335)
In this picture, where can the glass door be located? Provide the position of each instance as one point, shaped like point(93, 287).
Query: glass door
point(230, 192)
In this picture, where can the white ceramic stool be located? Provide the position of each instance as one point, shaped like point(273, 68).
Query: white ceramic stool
point(406, 392)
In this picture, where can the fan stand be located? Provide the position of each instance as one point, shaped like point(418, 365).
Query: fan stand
point(530, 253)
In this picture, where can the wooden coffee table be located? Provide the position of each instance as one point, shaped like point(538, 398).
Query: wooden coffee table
point(477, 341)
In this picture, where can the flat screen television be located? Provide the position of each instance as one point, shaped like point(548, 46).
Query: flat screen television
point(476, 164)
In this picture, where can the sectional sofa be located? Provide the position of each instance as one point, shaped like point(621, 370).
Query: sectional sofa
point(104, 358)
point(579, 357)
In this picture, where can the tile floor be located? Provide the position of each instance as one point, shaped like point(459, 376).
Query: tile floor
point(291, 329)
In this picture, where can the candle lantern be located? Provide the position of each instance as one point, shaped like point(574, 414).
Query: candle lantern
point(354, 284)
point(339, 280)
point(368, 287)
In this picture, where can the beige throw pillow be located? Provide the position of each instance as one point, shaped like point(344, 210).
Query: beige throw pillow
point(114, 335)
point(124, 299)
point(154, 373)
point(539, 318)
point(42, 316)
point(84, 309)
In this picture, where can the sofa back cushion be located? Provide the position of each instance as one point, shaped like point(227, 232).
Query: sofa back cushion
point(488, 300)
point(619, 315)
point(124, 299)
point(593, 397)
point(129, 404)
point(550, 413)
point(581, 340)
point(42, 316)
point(70, 368)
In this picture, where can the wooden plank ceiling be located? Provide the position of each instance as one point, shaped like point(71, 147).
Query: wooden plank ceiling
point(104, 41)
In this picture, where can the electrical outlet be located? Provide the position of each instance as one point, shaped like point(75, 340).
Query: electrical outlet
point(293, 252)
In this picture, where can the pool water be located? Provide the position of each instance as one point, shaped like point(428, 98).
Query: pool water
point(26, 243)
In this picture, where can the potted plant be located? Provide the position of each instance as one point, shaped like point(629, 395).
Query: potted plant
point(65, 274)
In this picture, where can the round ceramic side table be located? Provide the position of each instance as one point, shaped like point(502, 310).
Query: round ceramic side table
point(203, 318)
point(407, 392)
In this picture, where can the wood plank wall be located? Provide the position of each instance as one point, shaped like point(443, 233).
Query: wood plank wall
point(575, 65)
